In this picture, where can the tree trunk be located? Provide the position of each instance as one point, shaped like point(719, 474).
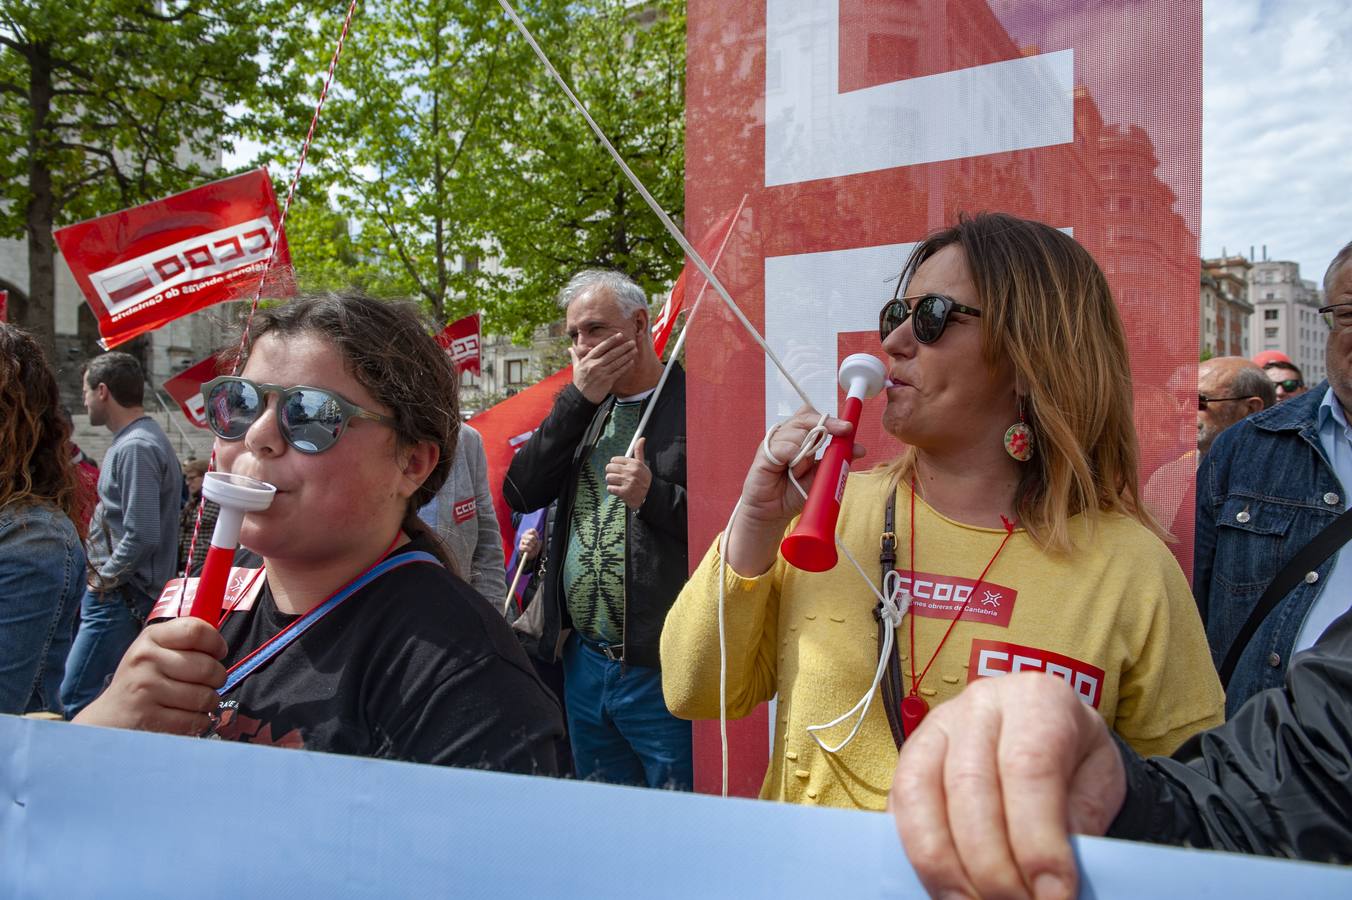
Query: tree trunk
point(38, 314)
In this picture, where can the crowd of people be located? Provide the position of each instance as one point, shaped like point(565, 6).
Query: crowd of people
point(1013, 535)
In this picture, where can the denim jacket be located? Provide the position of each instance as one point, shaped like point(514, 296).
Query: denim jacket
point(42, 575)
point(1263, 492)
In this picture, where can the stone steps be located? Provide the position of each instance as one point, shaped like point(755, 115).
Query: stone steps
point(190, 442)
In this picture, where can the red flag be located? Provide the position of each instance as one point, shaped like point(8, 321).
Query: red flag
point(505, 426)
point(711, 249)
point(186, 388)
point(145, 266)
point(460, 340)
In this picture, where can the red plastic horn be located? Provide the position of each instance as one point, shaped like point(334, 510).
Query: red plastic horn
point(812, 545)
point(236, 495)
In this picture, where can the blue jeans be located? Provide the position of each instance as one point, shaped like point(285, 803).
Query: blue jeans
point(41, 577)
point(107, 628)
point(618, 723)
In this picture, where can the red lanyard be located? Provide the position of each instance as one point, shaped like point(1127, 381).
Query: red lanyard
point(913, 706)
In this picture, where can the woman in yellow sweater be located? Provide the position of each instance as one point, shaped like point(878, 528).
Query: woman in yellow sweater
point(1020, 540)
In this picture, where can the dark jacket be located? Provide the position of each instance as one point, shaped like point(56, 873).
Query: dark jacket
point(1263, 492)
point(1276, 779)
point(546, 470)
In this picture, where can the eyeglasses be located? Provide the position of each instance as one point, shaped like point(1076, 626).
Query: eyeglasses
point(1203, 400)
point(931, 313)
point(1289, 384)
point(1338, 316)
point(310, 419)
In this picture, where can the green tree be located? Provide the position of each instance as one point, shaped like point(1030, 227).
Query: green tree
point(447, 145)
point(403, 149)
point(559, 202)
point(107, 103)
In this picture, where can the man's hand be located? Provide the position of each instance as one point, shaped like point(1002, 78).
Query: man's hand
point(989, 787)
point(166, 681)
point(629, 479)
point(596, 371)
point(529, 545)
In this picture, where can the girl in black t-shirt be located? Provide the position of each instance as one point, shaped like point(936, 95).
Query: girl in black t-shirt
point(361, 638)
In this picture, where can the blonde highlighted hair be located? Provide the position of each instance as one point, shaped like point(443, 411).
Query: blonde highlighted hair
point(1047, 308)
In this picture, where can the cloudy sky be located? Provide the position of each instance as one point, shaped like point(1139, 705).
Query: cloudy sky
point(1277, 129)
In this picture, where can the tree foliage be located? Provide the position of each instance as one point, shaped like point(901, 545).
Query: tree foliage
point(107, 103)
point(447, 146)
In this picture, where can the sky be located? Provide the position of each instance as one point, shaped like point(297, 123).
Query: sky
point(1276, 129)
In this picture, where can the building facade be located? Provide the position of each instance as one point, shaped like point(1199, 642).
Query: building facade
point(1286, 317)
point(1226, 310)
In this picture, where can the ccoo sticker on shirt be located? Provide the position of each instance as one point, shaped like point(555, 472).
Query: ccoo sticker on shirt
point(464, 510)
point(941, 596)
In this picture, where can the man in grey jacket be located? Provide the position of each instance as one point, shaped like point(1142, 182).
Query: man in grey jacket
point(463, 516)
point(133, 538)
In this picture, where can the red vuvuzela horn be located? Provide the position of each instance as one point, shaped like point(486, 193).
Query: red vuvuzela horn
point(236, 495)
point(812, 545)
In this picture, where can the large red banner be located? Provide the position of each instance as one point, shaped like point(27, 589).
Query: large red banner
point(857, 127)
point(145, 266)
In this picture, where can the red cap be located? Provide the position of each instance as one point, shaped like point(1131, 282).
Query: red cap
point(1270, 356)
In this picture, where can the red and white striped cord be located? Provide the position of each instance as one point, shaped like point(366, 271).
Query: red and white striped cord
point(267, 269)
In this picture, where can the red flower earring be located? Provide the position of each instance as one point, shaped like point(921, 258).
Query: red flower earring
point(1019, 438)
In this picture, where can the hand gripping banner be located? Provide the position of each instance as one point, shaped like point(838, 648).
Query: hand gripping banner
point(145, 266)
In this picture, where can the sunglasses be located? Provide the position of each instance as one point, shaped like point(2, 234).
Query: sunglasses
point(1203, 400)
point(310, 419)
point(1289, 384)
point(929, 315)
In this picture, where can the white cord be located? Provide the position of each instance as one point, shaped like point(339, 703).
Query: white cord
point(895, 603)
point(892, 611)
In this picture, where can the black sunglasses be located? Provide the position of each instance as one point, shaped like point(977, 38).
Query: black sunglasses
point(1203, 400)
point(1289, 384)
point(931, 313)
point(310, 419)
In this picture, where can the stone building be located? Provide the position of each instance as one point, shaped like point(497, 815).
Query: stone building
point(1285, 315)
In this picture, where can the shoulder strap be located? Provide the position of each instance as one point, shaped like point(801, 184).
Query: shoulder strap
point(891, 683)
point(1321, 547)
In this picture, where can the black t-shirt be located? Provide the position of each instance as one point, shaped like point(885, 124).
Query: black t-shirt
point(415, 666)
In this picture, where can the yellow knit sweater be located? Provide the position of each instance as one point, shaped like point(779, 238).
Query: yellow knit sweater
point(1115, 619)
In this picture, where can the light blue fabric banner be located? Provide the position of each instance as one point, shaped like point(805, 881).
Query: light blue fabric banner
point(88, 812)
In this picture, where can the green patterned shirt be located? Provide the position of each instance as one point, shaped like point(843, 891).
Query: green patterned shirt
point(593, 566)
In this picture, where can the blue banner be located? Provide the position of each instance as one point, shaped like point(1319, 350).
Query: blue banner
point(93, 812)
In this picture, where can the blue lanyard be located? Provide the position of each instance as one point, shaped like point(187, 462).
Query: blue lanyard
point(284, 638)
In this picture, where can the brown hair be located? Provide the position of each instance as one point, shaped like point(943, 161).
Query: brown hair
point(35, 458)
point(123, 375)
point(196, 467)
point(388, 348)
point(1047, 308)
